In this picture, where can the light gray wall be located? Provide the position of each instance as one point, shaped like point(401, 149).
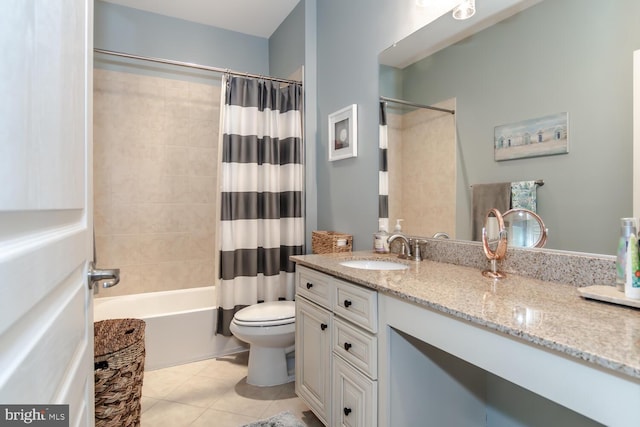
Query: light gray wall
point(348, 73)
point(286, 44)
point(311, 117)
point(391, 82)
point(124, 29)
point(348, 46)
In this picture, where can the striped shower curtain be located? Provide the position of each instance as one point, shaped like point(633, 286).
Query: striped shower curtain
point(383, 175)
point(262, 183)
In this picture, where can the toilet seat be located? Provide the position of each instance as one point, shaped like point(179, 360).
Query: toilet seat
point(273, 313)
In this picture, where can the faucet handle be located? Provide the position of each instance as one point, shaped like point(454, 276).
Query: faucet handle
point(405, 250)
point(417, 252)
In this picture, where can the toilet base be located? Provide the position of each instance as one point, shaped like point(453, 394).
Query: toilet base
point(268, 366)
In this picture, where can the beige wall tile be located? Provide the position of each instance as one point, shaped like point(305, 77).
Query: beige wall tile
point(155, 166)
point(202, 217)
point(125, 218)
point(422, 165)
point(175, 130)
point(178, 160)
point(201, 272)
point(202, 161)
point(202, 189)
point(178, 188)
point(204, 133)
point(199, 92)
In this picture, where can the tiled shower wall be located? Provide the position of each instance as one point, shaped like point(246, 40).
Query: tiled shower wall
point(155, 168)
point(422, 170)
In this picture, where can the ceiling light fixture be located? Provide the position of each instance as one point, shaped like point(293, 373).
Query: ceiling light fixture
point(465, 10)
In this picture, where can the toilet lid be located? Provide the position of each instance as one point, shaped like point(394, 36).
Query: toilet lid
point(272, 313)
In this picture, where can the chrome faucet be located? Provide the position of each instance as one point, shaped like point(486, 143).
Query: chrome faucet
point(410, 248)
point(440, 234)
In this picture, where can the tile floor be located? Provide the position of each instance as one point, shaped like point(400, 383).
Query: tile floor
point(214, 392)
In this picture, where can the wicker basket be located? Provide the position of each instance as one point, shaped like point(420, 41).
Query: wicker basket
point(119, 369)
point(328, 242)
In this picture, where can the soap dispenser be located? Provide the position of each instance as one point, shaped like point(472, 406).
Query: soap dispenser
point(398, 228)
point(381, 238)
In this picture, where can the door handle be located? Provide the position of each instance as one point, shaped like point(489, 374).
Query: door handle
point(110, 276)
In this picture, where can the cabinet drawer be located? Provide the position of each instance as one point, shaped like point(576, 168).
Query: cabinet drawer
point(356, 304)
point(355, 396)
point(314, 286)
point(356, 346)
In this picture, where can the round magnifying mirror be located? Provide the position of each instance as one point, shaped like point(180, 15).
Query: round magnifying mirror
point(525, 229)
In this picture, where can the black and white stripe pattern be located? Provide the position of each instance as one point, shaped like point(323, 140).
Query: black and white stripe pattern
point(262, 194)
point(383, 175)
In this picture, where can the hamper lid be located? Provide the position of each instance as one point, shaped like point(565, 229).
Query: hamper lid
point(113, 335)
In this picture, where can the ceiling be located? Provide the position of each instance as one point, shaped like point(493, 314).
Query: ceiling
point(255, 17)
point(445, 31)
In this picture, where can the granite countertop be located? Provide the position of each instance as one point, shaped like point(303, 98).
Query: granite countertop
point(552, 315)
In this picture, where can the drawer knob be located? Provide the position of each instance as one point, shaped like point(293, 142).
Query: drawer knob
point(323, 326)
point(347, 303)
point(346, 411)
point(347, 346)
point(309, 285)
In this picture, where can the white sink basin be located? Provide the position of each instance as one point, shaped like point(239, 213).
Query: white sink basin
point(367, 264)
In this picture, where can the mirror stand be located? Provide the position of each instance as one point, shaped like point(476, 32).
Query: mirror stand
point(494, 246)
point(493, 273)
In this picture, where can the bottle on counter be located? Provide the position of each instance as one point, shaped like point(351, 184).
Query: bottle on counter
point(627, 227)
point(381, 238)
point(398, 228)
point(632, 268)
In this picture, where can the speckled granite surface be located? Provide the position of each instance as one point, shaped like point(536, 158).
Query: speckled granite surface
point(579, 269)
point(549, 314)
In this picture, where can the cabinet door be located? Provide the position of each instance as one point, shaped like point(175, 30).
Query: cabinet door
point(313, 357)
point(354, 396)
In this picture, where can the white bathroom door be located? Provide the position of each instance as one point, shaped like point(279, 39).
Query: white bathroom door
point(46, 312)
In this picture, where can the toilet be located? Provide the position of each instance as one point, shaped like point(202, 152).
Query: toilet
point(269, 328)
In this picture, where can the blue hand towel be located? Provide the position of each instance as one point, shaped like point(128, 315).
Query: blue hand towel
point(523, 195)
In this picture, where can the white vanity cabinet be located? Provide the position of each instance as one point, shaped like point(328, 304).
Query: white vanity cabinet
point(336, 349)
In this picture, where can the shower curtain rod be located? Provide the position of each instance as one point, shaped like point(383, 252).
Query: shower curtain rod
point(192, 65)
point(413, 104)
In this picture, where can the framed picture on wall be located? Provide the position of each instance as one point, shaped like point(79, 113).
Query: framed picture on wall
point(542, 136)
point(343, 133)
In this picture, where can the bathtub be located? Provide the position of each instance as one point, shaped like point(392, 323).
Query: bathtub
point(180, 325)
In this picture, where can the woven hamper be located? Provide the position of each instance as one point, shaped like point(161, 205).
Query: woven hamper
point(119, 369)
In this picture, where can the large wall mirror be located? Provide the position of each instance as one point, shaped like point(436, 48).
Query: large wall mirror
point(529, 59)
